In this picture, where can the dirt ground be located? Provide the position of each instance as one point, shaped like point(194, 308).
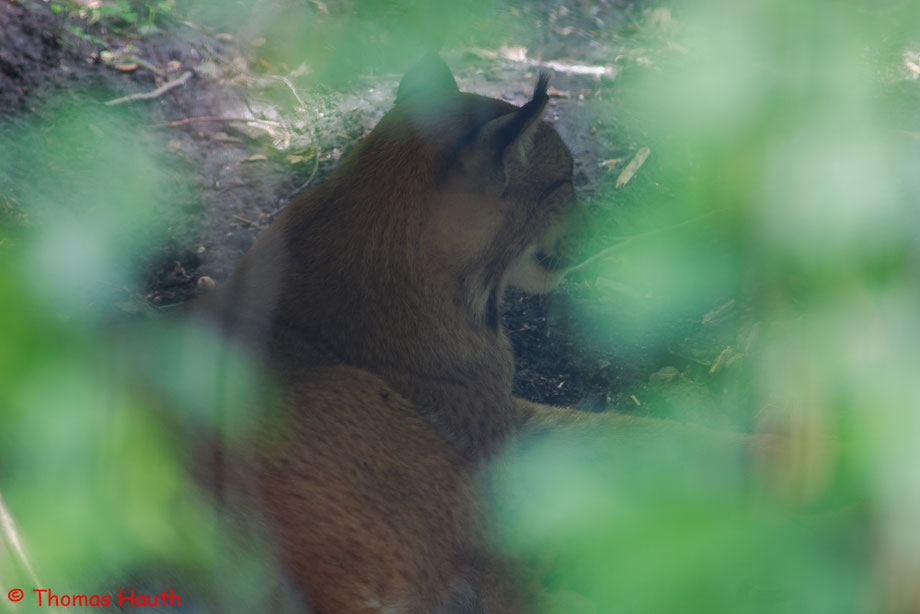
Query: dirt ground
point(251, 134)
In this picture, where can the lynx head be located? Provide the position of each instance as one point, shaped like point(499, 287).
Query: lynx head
point(506, 212)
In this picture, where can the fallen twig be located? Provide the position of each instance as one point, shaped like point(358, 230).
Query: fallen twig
point(245, 220)
point(309, 180)
point(155, 93)
point(291, 87)
point(626, 240)
point(189, 120)
point(9, 537)
point(302, 187)
point(258, 77)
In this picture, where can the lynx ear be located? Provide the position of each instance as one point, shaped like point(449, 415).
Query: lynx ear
point(505, 142)
point(431, 74)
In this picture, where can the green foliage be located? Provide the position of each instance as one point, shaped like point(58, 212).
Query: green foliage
point(137, 17)
point(676, 525)
point(93, 412)
point(779, 132)
point(773, 137)
point(338, 40)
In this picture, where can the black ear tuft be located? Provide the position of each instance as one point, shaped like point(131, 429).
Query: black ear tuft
point(525, 116)
point(499, 149)
point(539, 93)
point(431, 74)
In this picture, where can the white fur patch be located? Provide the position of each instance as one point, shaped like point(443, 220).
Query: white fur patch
point(528, 275)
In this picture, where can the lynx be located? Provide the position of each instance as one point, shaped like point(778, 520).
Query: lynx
point(376, 299)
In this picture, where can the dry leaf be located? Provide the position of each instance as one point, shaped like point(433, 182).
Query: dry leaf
point(634, 165)
point(662, 19)
point(912, 63)
point(223, 137)
point(483, 54)
point(663, 376)
point(256, 158)
point(752, 337)
point(720, 360)
point(208, 69)
point(718, 312)
point(301, 71)
point(516, 53)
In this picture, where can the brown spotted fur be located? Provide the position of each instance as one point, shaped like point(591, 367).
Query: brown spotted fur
point(376, 298)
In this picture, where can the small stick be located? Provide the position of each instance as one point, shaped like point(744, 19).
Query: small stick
point(302, 187)
point(309, 180)
point(257, 76)
point(10, 537)
point(624, 241)
point(245, 220)
point(189, 120)
point(155, 93)
point(290, 85)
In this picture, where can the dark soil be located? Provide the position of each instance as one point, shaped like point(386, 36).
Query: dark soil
point(232, 177)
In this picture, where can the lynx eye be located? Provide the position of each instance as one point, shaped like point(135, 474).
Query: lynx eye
point(553, 188)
